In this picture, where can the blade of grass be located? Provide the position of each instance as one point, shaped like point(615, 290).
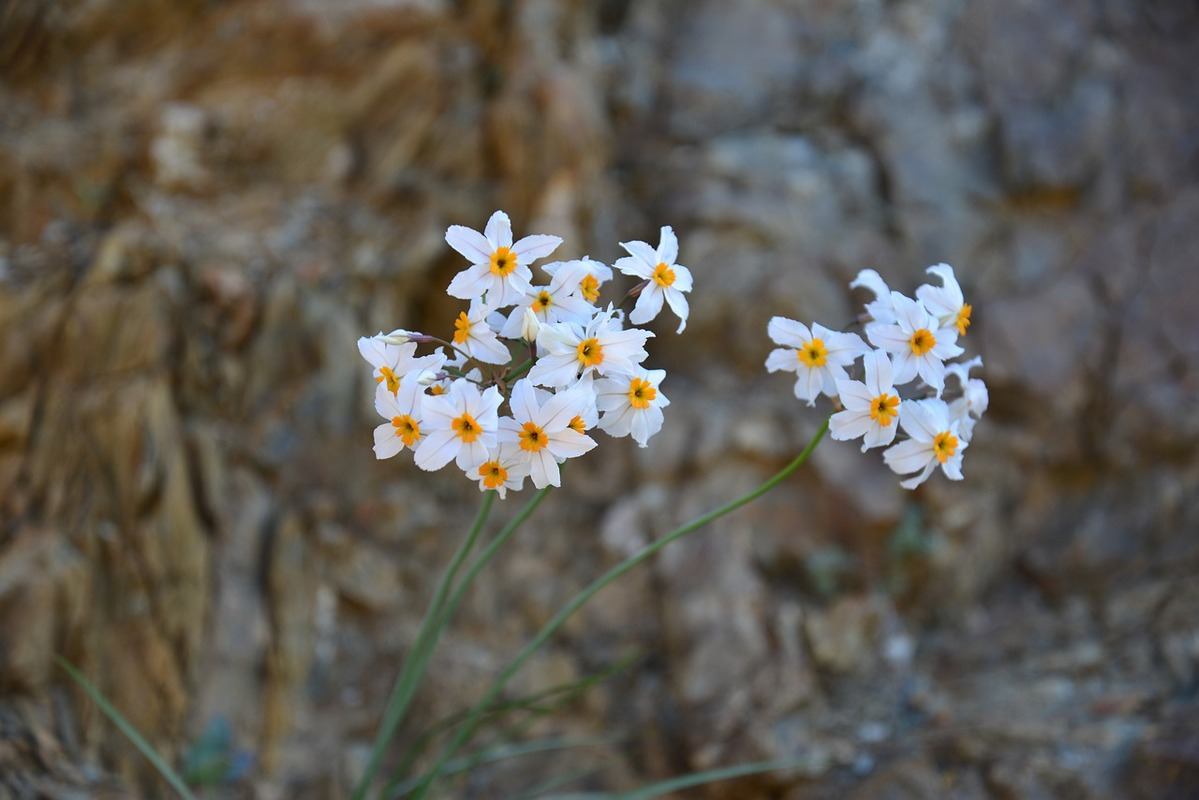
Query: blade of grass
point(125, 727)
point(556, 782)
point(703, 778)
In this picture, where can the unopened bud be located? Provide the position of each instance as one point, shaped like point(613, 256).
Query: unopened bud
point(401, 336)
point(530, 326)
point(428, 377)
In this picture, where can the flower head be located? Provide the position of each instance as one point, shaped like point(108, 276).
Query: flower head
point(558, 302)
point(594, 275)
point(818, 356)
point(632, 404)
point(542, 433)
point(871, 407)
point(460, 426)
point(506, 469)
point(473, 336)
point(945, 302)
point(569, 351)
point(665, 280)
point(392, 362)
point(969, 408)
point(402, 410)
point(934, 442)
point(916, 342)
point(499, 269)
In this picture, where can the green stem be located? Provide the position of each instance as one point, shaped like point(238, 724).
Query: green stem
point(548, 630)
point(518, 371)
point(414, 666)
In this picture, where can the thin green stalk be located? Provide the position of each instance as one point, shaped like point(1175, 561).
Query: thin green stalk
point(686, 781)
point(414, 666)
point(582, 597)
point(432, 626)
point(518, 371)
point(125, 727)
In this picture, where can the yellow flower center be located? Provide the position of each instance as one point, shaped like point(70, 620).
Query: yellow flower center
point(591, 352)
point(543, 301)
point(493, 474)
point(813, 354)
point(436, 389)
point(578, 425)
point(466, 428)
point(963, 320)
point(884, 409)
point(641, 393)
point(532, 437)
point(393, 381)
point(663, 275)
point(589, 286)
point(945, 444)
point(922, 341)
point(503, 262)
point(407, 429)
point(461, 328)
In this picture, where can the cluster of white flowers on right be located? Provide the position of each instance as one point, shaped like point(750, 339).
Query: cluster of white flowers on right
point(909, 339)
point(582, 367)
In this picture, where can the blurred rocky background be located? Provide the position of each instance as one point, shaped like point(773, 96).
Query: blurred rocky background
point(203, 203)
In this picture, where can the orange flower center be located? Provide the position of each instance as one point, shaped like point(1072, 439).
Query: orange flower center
point(532, 437)
point(945, 444)
point(493, 474)
point(578, 425)
point(591, 352)
point(466, 428)
point(884, 409)
point(461, 328)
point(590, 288)
point(813, 354)
point(641, 393)
point(503, 262)
point(407, 429)
point(963, 320)
point(393, 381)
point(663, 275)
point(922, 341)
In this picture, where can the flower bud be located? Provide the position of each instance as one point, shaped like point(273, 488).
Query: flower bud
point(530, 326)
point(428, 377)
point(401, 336)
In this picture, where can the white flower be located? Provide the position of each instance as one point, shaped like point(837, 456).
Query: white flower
point(543, 433)
point(474, 336)
point(871, 408)
point(558, 302)
point(970, 407)
point(632, 404)
point(392, 362)
point(594, 275)
point(507, 469)
point(530, 326)
point(934, 441)
point(817, 356)
point(946, 302)
point(916, 343)
point(499, 268)
point(402, 410)
point(666, 279)
point(566, 350)
point(460, 425)
point(880, 309)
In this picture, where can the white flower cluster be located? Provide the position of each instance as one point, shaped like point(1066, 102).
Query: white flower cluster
point(583, 366)
point(909, 339)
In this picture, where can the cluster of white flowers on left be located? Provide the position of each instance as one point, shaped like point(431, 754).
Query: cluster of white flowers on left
point(583, 368)
point(909, 339)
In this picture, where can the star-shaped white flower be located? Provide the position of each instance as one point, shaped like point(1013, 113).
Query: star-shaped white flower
point(918, 346)
point(506, 469)
point(879, 309)
point(595, 275)
point(567, 351)
point(474, 336)
point(392, 362)
point(946, 302)
point(632, 404)
point(402, 410)
point(499, 269)
point(667, 281)
point(969, 408)
point(558, 302)
point(934, 442)
point(459, 426)
point(543, 432)
point(871, 408)
point(817, 356)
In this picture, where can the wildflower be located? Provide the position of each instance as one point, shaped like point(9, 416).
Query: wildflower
point(817, 356)
point(530, 326)
point(917, 344)
point(402, 410)
point(632, 404)
point(665, 280)
point(459, 426)
point(543, 432)
point(593, 276)
point(945, 302)
point(934, 441)
point(392, 362)
point(970, 407)
point(474, 336)
point(503, 471)
point(558, 302)
point(879, 309)
point(499, 269)
point(871, 408)
point(568, 350)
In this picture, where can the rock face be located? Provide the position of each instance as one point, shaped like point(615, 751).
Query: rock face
point(202, 205)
